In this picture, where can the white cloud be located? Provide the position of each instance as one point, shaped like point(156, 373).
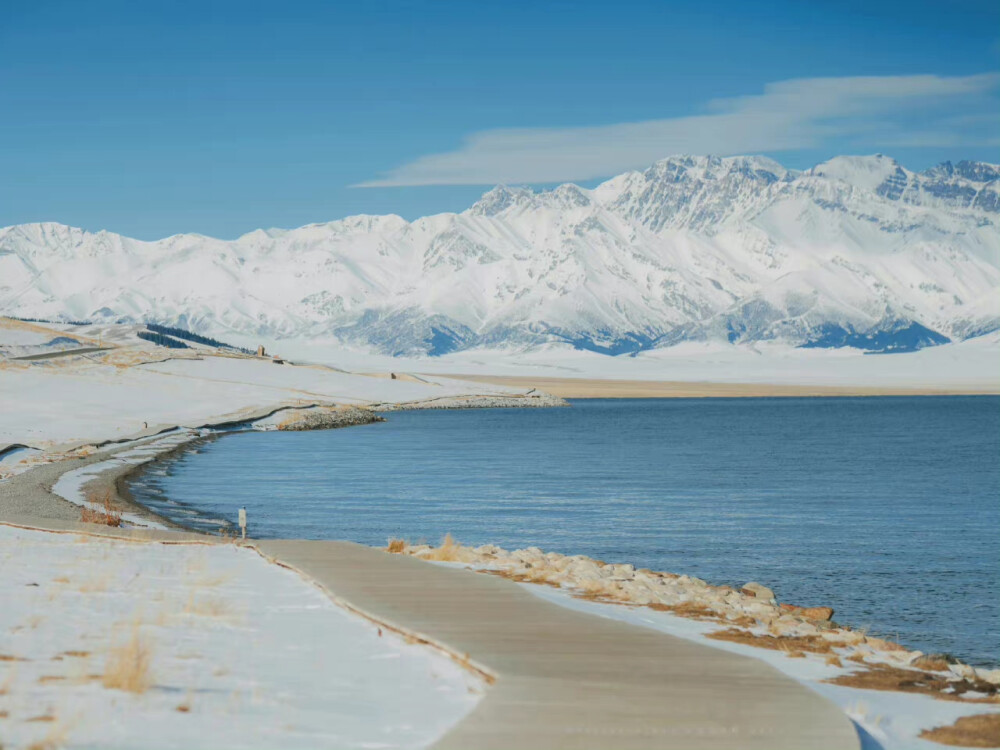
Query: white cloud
point(788, 115)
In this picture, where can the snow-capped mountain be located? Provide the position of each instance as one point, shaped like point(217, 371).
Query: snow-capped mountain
point(858, 251)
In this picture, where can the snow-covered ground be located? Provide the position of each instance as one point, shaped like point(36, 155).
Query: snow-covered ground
point(969, 364)
point(118, 393)
point(238, 652)
point(886, 720)
point(20, 339)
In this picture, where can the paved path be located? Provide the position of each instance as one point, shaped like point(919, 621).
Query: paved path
point(570, 680)
point(62, 353)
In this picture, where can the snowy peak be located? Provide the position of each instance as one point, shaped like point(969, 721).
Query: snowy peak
point(687, 168)
point(500, 199)
point(973, 171)
point(865, 172)
point(700, 193)
point(968, 184)
point(858, 252)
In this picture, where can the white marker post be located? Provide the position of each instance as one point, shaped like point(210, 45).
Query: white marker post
point(243, 522)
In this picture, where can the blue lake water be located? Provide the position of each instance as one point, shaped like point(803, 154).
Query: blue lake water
point(887, 509)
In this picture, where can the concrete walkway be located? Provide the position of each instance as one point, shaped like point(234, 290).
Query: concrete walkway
point(62, 353)
point(566, 679)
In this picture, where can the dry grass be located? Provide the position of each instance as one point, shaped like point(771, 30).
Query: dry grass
point(447, 552)
point(529, 576)
point(206, 606)
point(184, 707)
point(885, 677)
point(95, 585)
point(6, 684)
point(931, 663)
point(396, 546)
point(105, 515)
point(833, 661)
point(128, 665)
point(597, 590)
point(692, 610)
point(790, 644)
point(54, 739)
point(982, 730)
point(8, 657)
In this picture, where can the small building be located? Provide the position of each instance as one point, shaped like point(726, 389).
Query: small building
point(277, 360)
point(260, 351)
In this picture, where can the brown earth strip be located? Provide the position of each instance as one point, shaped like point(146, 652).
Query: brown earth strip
point(608, 388)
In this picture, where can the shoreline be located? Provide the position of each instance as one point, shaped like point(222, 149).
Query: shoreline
point(118, 479)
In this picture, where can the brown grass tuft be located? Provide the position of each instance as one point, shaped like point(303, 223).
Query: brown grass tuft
point(529, 576)
point(931, 663)
point(396, 546)
point(692, 610)
point(597, 590)
point(206, 606)
point(447, 552)
point(128, 665)
point(54, 739)
point(105, 515)
point(981, 730)
point(834, 661)
point(885, 677)
point(790, 644)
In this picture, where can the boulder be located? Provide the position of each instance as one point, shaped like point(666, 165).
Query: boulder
point(622, 570)
point(964, 670)
point(991, 676)
point(583, 570)
point(649, 578)
point(760, 610)
point(809, 613)
point(758, 590)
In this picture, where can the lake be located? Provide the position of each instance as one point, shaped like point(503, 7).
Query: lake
point(887, 509)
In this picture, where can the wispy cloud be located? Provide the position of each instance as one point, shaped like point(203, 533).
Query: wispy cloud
point(796, 114)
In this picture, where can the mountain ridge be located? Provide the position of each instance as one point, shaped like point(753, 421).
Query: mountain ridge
point(857, 251)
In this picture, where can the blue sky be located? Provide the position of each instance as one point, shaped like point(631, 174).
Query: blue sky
point(219, 117)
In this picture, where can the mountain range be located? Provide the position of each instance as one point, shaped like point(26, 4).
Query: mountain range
point(857, 251)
